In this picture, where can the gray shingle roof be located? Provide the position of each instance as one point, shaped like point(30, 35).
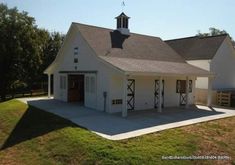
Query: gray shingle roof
point(136, 53)
point(111, 43)
point(197, 48)
point(157, 67)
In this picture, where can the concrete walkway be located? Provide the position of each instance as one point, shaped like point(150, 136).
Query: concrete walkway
point(114, 127)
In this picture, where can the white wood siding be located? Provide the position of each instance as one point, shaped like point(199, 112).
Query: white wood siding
point(87, 61)
point(144, 92)
point(223, 64)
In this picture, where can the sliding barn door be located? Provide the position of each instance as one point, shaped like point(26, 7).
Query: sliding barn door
point(90, 90)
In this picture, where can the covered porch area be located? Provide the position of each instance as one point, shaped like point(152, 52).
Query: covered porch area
point(151, 84)
point(159, 93)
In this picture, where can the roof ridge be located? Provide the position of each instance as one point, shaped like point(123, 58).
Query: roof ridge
point(219, 35)
point(200, 37)
point(91, 25)
point(141, 46)
point(180, 38)
point(146, 35)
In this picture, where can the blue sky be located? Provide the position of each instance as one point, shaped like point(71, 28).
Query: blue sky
point(167, 19)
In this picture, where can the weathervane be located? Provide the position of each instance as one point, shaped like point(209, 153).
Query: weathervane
point(123, 5)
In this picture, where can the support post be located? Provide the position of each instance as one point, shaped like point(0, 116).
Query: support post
point(160, 95)
point(124, 98)
point(121, 22)
point(209, 94)
point(187, 92)
point(49, 85)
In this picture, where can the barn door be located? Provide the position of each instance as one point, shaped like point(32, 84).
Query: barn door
point(76, 88)
point(156, 93)
point(130, 94)
point(90, 90)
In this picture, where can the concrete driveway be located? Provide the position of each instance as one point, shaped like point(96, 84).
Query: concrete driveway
point(114, 127)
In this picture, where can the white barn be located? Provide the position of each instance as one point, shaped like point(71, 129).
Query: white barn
point(116, 71)
point(213, 53)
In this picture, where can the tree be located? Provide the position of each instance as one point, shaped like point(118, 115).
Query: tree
point(50, 45)
point(213, 32)
point(25, 50)
point(19, 53)
point(51, 49)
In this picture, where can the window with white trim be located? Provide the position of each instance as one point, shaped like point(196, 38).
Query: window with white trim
point(181, 86)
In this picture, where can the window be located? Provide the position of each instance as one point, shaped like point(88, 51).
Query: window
point(116, 101)
point(75, 60)
point(76, 51)
point(181, 86)
point(119, 23)
point(62, 82)
point(190, 86)
point(125, 22)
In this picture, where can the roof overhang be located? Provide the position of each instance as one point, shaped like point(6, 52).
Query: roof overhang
point(166, 74)
point(78, 72)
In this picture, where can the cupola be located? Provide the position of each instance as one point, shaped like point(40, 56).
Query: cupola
point(122, 24)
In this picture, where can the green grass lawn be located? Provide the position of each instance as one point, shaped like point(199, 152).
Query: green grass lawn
point(31, 136)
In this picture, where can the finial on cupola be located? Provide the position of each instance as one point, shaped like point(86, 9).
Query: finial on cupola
point(122, 22)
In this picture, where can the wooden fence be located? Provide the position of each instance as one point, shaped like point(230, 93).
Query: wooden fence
point(224, 99)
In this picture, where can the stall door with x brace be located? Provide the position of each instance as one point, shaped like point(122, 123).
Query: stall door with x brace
point(156, 93)
point(131, 94)
point(181, 89)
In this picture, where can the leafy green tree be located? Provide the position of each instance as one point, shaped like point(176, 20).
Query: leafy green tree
point(51, 49)
point(215, 32)
point(25, 50)
point(19, 56)
point(50, 44)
